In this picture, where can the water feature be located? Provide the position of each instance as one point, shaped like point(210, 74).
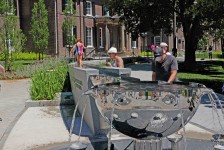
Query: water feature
point(147, 110)
point(77, 145)
point(217, 138)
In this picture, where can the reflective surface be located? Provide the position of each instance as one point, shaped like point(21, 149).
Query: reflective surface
point(146, 110)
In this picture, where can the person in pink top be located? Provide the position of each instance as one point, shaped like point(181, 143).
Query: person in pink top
point(2, 69)
point(152, 47)
point(77, 50)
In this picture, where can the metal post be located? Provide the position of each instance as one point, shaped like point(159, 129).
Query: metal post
point(174, 27)
point(175, 141)
point(148, 144)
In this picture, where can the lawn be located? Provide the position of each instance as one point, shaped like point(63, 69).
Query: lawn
point(209, 73)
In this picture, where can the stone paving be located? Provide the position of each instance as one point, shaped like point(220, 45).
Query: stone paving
point(13, 95)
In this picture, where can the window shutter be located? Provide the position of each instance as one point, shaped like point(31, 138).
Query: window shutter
point(84, 7)
point(63, 5)
point(93, 9)
point(94, 36)
point(75, 32)
point(74, 4)
point(15, 6)
point(64, 38)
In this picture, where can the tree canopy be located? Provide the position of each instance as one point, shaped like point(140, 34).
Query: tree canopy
point(195, 17)
point(39, 27)
point(11, 37)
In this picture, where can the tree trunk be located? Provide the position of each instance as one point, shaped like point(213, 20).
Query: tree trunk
point(190, 49)
point(39, 56)
point(192, 33)
point(222, 46)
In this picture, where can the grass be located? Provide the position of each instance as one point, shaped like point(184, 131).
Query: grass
point(22, 63)
point(209, 73)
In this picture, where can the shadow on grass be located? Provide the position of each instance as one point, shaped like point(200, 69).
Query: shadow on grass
point(213, 69)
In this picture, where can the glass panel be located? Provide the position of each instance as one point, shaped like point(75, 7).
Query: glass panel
point(88, 36)
point(101, 37)
point(88, 8)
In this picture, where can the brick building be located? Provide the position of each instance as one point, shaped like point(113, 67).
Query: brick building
point(97, 29)
point(94, 26)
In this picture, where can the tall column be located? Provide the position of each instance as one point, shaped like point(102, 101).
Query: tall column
point(122, 38)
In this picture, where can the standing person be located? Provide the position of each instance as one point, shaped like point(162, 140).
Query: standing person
point(2, 69)
point(152, 47)
point(210, 52)
point(117, 61)
point(77, 50)
point(164, 66)
point(164, 46)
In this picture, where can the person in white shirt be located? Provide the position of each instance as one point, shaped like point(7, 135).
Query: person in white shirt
point(117, 61)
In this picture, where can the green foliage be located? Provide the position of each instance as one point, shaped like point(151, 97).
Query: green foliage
point(203, 42)
point(22, 56)
point(145, 54)
point(195, 18)
point(11, 37)
point(204, 54)
point(69, 23)
point(39, 27)
point(49, 79)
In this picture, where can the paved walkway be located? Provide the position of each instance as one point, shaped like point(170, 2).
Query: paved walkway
point(13, 94)
point(42, 126)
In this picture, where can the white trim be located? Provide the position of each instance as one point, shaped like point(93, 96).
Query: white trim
point(101, 37)
point(91, 37)
point(89, 9)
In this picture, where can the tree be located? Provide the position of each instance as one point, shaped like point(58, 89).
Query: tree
point(197, 18)
point(39, 27)
point(141, 16)
point(194, 16)
point(68, 24)
point(11, 37)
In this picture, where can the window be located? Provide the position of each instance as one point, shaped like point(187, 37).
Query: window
point(106, 11)
point(125, 38)
point(68, 37)
point(157, 40)
point(70, 5)
point(10, 7)
point(89, 37)
point(133, 44)
point(101, 37)
point(89, 8)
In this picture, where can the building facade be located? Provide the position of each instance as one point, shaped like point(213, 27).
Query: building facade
point(94, 26)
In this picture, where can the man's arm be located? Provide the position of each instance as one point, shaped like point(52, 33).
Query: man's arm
point(153, 76)
point(172, 76)
point(120, 63)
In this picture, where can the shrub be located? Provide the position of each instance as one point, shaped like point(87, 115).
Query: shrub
point(49, 79)
point(22, 56)
point(204, 54)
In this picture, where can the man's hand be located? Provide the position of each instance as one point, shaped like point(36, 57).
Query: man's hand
point(172, 76)
point(108, 64)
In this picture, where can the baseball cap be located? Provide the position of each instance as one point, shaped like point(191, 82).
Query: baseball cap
point(158, 53)
point(163, 44)
point(112, 50)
